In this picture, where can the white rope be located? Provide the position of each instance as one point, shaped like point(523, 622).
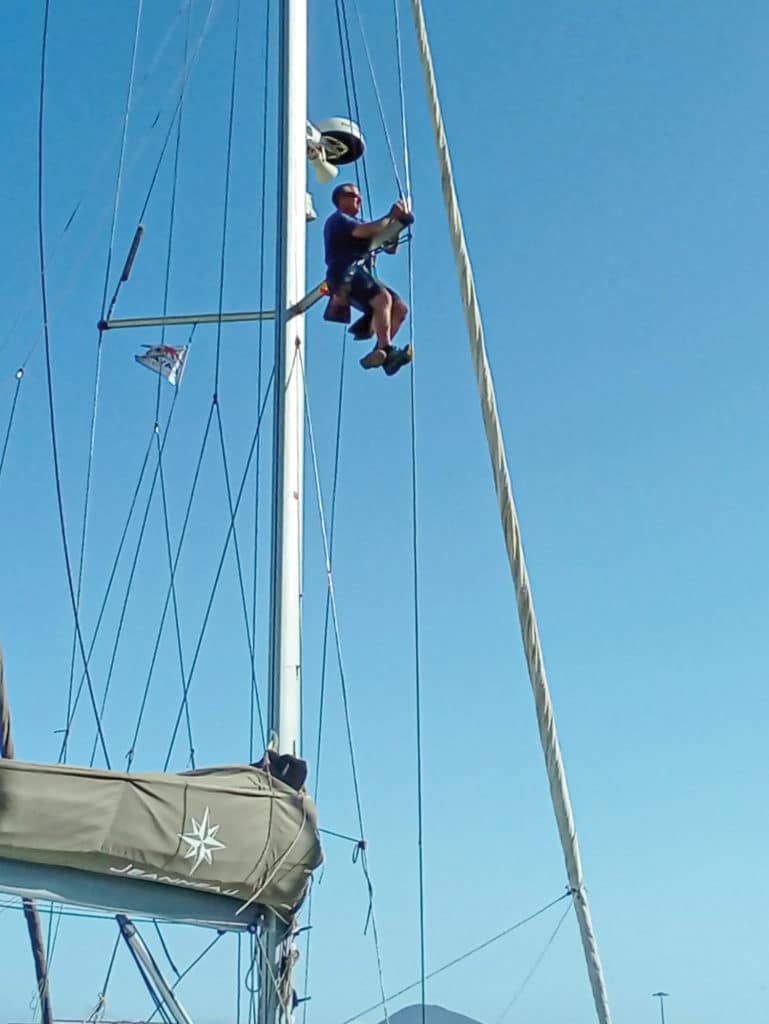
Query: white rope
point(510, 527)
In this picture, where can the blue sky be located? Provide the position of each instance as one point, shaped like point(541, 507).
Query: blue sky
point(610, 161)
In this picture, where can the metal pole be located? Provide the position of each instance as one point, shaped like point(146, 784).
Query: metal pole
point(286, 568)
point(277, 953)
point(150, 971)
point(662, 996)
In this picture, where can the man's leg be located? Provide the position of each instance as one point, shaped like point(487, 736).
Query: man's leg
point(398, 313)
point(381, 310)
point(380, 305)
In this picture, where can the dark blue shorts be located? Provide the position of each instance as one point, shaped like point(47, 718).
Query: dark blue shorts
point(363, 287)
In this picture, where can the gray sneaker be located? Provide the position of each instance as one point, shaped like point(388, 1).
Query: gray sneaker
point(397, 358)
point(377, 357)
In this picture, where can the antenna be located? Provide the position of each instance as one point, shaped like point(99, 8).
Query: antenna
point(662, 996)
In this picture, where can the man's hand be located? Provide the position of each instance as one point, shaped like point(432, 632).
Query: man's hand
point(399, 211)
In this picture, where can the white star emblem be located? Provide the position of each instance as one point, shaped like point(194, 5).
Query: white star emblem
point(202, 842)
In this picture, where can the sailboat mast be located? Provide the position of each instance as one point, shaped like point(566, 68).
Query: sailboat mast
point(286, 562)
point(284, 709)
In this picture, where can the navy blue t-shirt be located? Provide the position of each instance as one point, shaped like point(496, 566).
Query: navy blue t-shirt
point(342, 248)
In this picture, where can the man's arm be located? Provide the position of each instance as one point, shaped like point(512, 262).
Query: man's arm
point(372, 228)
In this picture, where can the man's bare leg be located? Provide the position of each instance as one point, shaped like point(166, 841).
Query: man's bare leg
point(398, 314)
point(381, 309)
point(381, 306)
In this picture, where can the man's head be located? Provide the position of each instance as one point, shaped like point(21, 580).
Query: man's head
point(347, 199)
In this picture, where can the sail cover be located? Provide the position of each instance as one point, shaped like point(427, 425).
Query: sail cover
point(236, 835)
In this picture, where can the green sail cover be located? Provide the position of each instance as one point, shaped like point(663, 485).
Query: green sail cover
point(236, 832)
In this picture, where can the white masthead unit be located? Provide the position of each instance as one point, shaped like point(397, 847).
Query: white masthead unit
point(331, 143)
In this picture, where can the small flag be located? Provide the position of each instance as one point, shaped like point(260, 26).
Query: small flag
point(165, 360)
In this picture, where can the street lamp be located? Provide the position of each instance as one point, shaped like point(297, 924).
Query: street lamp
point(662, 996)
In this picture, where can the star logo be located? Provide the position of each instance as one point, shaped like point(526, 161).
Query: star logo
point(202, 842)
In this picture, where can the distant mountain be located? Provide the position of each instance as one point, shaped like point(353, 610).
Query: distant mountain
point(433, 1015)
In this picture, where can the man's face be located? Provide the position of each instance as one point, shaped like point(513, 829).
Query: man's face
point(349, 201)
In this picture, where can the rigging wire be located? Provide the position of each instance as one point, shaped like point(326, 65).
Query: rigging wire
point(96, 175)
point(185, 76)
point(14, 402)
point(108, 974)
point(351, 91)
point(172, 210)
point(464, 956)
point(194, 963)
point(217, 576)
point(351, 94)
point(49, 379)
point(77, 266)
point(253, 693)
point(52, 934)
point(323, 662)
point(124, 606)
point(371, 917)
point(249, 985)
point(97, 374)
point(180, 975)
point(163, 494)
point(166, 950)
point(225, 213)
point(559, 792)
point(167, 138)
point(417, 637)
point(378, 97)
point(174, 601)
point(332, 522)
point(250, 638)
point(402, 96)
point(340, 835)
point(414, 476)
point(116, 560)
point(521, 988)
point(159, 633)
point(185, 79)
point(238, 987)
point(121, 159)
point(415, 541)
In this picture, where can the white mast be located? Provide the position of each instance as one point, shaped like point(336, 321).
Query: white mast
point(286, 567)
point(286, 560)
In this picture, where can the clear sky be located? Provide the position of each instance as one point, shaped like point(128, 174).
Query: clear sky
point(611, 165)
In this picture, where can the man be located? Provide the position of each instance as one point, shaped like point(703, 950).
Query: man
point(351, 279)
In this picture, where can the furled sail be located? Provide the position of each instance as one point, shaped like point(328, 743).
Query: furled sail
point(214, 846)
